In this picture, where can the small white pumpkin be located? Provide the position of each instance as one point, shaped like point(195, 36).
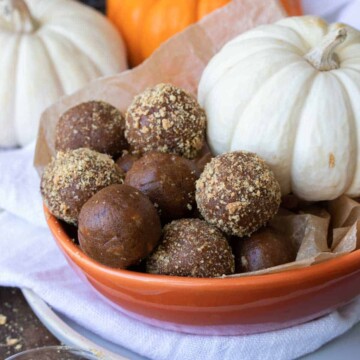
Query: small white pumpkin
point(49, 48)
point(290, 92)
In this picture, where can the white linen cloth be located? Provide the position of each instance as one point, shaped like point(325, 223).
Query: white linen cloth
point(30, 258)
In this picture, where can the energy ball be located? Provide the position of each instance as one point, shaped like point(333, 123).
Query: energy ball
point(238, 193)
point(202, 159)
point(126, 161)
point(118, 226)
point(167, 119)
point(191, 247)
point(262, 250)
point(169, 182)
point(73, 177)
point(96, 125)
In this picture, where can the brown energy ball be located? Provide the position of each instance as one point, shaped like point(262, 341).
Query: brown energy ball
point(73, 177)
point(118, 226)
point(238, 193)
point(262, 250)
point(203, 158)
point(126, 161)
point(167, 119)
point(191, 247)
point(169, 182)
point(96, 125)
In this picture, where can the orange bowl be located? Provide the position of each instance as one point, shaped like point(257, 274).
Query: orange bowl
point(230, 306)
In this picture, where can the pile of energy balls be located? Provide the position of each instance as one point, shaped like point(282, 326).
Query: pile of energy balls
point(144, 189)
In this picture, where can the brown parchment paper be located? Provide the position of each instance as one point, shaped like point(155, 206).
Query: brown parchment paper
point(319, 232)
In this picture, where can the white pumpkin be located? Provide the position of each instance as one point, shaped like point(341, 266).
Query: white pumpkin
point(290, 92)
point(49, 48)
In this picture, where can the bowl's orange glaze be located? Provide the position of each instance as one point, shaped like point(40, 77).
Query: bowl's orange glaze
point(220, 306)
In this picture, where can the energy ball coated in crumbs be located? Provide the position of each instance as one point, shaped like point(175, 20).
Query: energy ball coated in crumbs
point(72, 177)
point(193, 248)
point(165, 118)
point(238, 193)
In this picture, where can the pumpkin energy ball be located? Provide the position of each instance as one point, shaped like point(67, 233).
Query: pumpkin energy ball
point(238, 193)
point(169, 182)
point(118, 226)
point(202, 159)
point(191, 247)
point(126, 161)
point(73, 177)
point(262, 250)
point(165, 118)
point(96, 125)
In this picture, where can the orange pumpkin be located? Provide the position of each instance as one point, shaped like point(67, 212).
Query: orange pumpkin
point(293, 7)
point(145, 24)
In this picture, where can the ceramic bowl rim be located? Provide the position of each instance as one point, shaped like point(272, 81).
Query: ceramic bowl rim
point(345, 264)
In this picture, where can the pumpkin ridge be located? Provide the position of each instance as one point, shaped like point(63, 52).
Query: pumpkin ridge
point(320, 155)
point(241, 41)
point(43, 8)
point(16, 93)
point(223, 78)
point(287, 42)
point(26, 120)
point(56, 43)
point(15, 54)
point(230, 67)
point(304, 99)
point(51, 62)
point(344, 62)
point(55, 8)
point(346, 54)
point(203, 95)
point(305, 43)
point(354, 124)
point(56, 29)
point(292, 116)
point(254, 95)
point(66, 27)
point(259, 34)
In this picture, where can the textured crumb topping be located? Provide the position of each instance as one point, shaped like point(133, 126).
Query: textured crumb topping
point(167, 119)
point(191, 247)
point(238, 193)
point(72, 177)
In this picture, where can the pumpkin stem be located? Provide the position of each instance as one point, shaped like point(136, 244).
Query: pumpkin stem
point(17, 15)
point(323, 57)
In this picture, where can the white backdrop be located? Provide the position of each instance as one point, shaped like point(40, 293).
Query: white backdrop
point(347, 11)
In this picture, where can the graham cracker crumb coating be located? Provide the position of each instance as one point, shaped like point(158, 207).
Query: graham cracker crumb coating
point(72, 177)
point(167, 119)
point(193, 248)
point(238, 193)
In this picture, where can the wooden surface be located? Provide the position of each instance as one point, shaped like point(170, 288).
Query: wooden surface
point(20, 329)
